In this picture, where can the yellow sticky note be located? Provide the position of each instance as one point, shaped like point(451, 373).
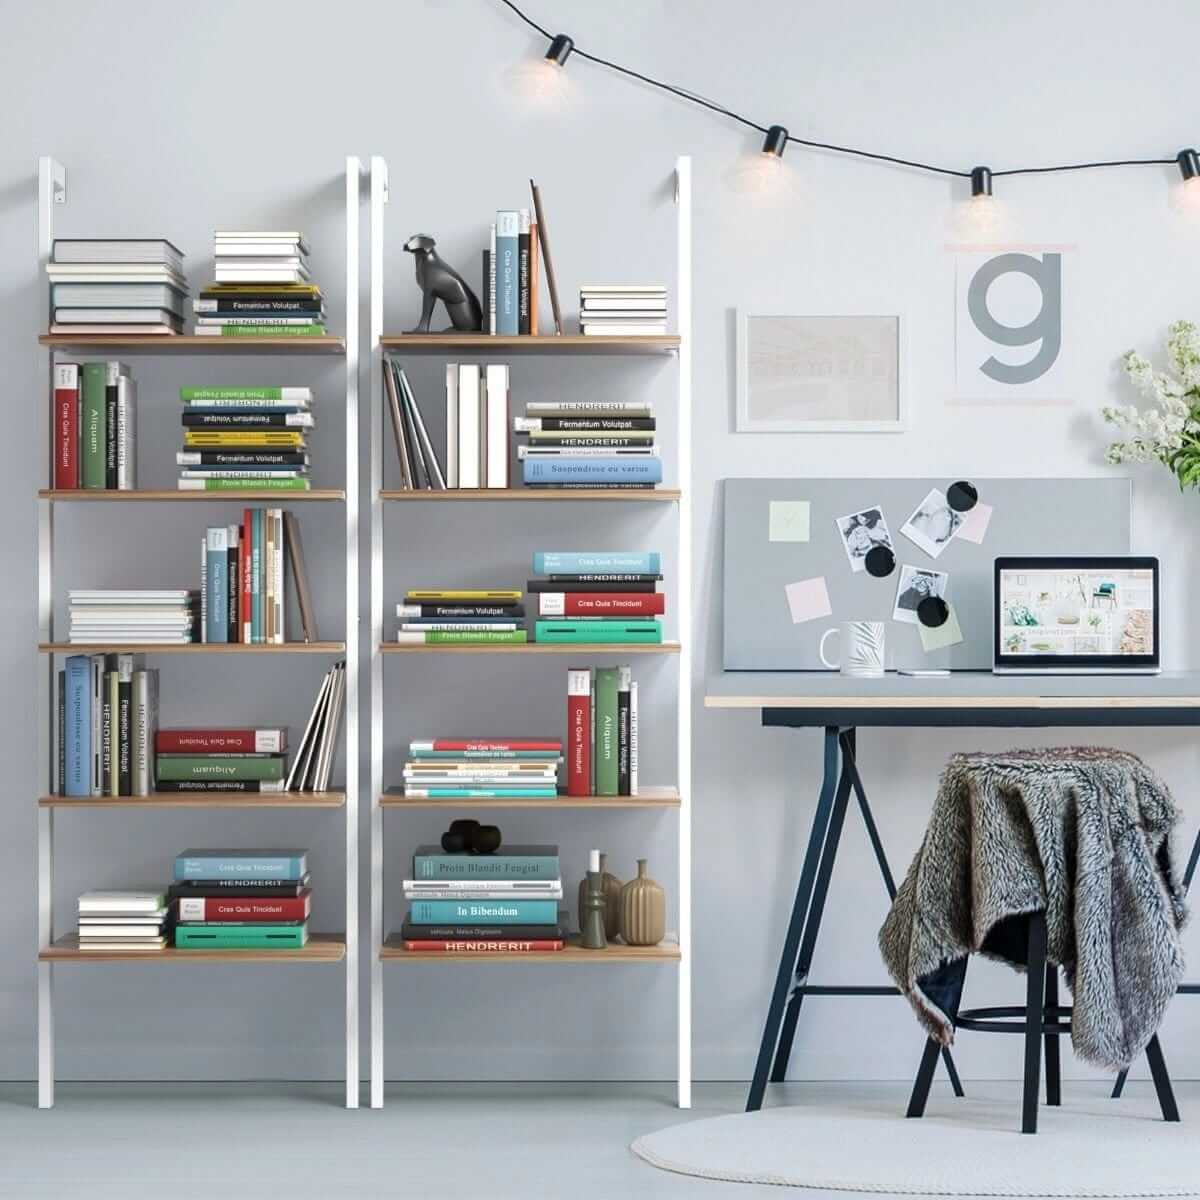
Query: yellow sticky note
point(789, 521)
point(948, 633)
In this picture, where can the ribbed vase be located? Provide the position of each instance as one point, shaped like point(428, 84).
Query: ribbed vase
point(611, 887)
point(643, 910)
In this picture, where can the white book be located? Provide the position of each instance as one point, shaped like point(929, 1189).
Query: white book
point(483, 885)
point(524, 452)
point(119, 295)
point(258, 235)
point(462, 626)
point(226, 274)
point(236, 473)
point(123, 900)
point(245, 248)
point(624, 330)
point(117, 250)
point(249, 264)
point(114, 617)
point(618, 304)
point(148, 945)
point(140, 638)
point(127, 596)
point(590, 408)
point(633, 289)
point(277, 595)
point(75, 272)
point(468, 426)
point(129, 932)
point(491, 282)
point(452, 425)
point(633, 738)
point(268, 322)
point(497, 425)
point(476, 894)
point(168, 330)
point(117, 316)
point(126, 434)
point(137, 921)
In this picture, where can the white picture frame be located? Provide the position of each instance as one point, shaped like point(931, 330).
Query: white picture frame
point(856, 367)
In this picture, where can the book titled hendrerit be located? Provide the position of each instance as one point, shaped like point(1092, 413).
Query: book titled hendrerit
point(517, 862)
point(241, 864)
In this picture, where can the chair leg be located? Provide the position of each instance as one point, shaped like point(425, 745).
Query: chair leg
point(1053, 1064)
point(1119, 1086)
point(1162, 1081)
point(1035, 992)
point(924, 1079)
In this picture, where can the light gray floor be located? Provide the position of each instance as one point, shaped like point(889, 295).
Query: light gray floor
point(295, 1142)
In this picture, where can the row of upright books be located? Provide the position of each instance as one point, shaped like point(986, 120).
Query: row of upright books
point(245, 437)
point(602, 731)
point(94, 419)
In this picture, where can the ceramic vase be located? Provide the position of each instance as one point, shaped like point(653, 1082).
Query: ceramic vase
point(610, 885)
point(591, 915)
point(643, 910)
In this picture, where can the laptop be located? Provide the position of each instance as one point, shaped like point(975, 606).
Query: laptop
point(1066, 615)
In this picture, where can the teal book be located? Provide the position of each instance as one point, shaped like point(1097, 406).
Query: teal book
point(93, 425)
point(484, 912)
point(588, 562)
point(240, 937)
point(517, 862)
point(508, 231)
point(216, 568)
point(647, 632)
point(263, 767)
point(606, 730)
point(242, 864)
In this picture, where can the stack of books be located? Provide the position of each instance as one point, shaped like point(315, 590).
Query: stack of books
point(449, 617)
point(502, 903)
point(602, 731)
point(107, 719)
point(221, 760)
point(510, 275)
point(245, 437)
point(235, 899)
point(116, 286)
point(137, 615)
point(94, 419)
point(598, 596)
point(482, 768)
point(242, 579)
point(123, 920)
point(261, 288)
point(589, 443)
point(622, 309)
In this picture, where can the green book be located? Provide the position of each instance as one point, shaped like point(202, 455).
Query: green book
point(240, 937)
point(452, 637)
point(598, 631)
point(605, 749)
point(203, 395)
point(92, 426)
point(257, 483)
point(188, 767)
point(270, 330)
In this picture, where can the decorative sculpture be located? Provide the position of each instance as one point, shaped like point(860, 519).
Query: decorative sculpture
point(440, 281)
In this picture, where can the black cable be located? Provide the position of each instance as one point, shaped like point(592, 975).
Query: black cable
point(712, 106)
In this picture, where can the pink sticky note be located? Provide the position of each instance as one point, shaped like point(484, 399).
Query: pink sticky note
point(808, 599)
point(975, 524)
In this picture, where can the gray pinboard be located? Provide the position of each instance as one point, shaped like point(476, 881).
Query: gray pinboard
point(1029, 517)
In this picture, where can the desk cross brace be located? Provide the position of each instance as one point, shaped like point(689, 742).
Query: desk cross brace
point(791, 981)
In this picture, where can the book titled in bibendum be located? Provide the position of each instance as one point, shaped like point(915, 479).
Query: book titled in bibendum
point(490, 912)
point(241, 864)
point(515, 862)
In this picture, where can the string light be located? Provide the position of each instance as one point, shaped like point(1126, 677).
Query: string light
point(777, 137)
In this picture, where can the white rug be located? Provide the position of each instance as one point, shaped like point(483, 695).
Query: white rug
point(1092, 1146)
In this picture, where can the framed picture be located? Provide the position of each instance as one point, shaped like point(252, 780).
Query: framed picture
point(838, 374)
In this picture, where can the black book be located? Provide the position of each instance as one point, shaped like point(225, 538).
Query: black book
point(602, 577)
point(223, 887)
point(559, 585)
point(484, 933)
point(485, 292)
point(568, 441)
point(523, 281)
point(110, 437)
point(62, 732)
point(243, 420)
point(125, 736)
point(581, 424)
point(247, 458)
point(623, 733)
point(257, 306)
point(233, 588)
point(468, 612)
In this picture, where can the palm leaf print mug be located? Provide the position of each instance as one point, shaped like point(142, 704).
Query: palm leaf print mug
point(861, 648)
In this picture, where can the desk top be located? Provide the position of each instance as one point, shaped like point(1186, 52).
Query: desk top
point(962, 690)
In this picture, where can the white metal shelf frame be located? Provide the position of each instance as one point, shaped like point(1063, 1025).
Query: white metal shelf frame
point(52, 193)
point(683, 608)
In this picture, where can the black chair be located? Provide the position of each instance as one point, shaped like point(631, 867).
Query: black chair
point(1042, 1019)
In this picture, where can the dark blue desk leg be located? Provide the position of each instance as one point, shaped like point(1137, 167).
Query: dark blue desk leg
point(1188, 875)
point(791, 944)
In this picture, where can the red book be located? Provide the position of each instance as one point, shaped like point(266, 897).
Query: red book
point(221, 741)
point(488, 947)
point(601, 604)
point(485, 744)
point(66, 425)
point(237, 909)
point(245, 590)
point(579, 731)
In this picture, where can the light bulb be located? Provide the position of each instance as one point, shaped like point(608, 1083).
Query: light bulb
point(540, 81)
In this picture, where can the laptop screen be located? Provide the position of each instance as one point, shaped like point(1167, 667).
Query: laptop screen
point(1101, 611)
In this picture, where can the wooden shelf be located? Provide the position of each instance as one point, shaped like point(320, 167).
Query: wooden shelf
point(191, 343)
point(567, 343)
point(662, 495)
point(651, 797)
point(571, 954)
point(190, 648)
point(59, 495)
point(201, 800)
point(538, 648)
point(321, 948)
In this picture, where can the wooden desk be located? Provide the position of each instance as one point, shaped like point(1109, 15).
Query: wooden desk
point(841, 706)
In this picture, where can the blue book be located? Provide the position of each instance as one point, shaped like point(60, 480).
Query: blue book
point(216, 569)
point(592, 470)
point(257, 562)
point(508, 230)
point(77, 726)
point(241, 864)
point(517, 862)
point(595, 562)
point(484, 912)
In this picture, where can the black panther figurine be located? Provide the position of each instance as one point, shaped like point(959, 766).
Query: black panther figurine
point(440, 281)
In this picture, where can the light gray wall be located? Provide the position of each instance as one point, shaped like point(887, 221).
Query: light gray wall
point(175, 120)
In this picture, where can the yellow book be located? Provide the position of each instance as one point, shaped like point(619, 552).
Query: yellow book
point(498, 595)
point(300, 291)
point(292, 439)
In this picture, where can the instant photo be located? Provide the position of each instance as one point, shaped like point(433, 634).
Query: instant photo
point(861, 532)
point(933, 523)
point(917, 584)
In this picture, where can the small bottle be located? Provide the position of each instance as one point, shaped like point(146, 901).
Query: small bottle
point(591, 920)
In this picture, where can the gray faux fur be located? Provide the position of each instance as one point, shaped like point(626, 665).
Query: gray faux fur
point(1083, 834)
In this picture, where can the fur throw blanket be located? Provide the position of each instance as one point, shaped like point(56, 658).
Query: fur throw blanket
point(1083, 834)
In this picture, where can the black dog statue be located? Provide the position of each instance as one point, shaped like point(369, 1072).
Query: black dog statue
point(440, 281)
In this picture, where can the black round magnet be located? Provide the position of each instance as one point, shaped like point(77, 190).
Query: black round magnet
point(962, 496)
point(933, 611)
point(880, 561)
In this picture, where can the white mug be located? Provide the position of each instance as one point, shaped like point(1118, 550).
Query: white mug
point(862, 648)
